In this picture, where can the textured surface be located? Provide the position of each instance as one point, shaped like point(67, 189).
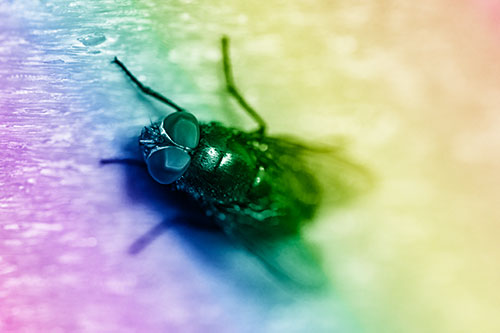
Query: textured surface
point(67, 222)
point(414, 85)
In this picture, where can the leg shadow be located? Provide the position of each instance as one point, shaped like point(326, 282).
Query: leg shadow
point(203, 239)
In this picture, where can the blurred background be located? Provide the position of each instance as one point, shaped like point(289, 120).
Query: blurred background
point(410, 86)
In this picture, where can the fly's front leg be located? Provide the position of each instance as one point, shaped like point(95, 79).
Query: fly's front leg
point(231, 87)
point(126, 161)
point(145, 89)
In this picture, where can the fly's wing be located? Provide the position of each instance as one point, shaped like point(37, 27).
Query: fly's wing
point(341, 178)
point(287, 257)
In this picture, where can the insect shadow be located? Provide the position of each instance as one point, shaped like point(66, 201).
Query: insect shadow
point(178, 207)
point(203, 239)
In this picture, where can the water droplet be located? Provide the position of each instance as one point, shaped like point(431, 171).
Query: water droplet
point(92, 39)
point(260, 175)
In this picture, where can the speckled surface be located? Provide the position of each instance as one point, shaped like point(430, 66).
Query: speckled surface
point(412, 86)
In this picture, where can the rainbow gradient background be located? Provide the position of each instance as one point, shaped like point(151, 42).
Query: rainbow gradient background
point(414, 87)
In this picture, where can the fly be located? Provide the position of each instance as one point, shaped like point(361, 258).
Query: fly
point(259, 189)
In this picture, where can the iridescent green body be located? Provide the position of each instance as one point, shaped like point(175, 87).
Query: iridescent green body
point(246, 180)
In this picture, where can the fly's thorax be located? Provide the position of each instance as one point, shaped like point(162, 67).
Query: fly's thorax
point(223, 166)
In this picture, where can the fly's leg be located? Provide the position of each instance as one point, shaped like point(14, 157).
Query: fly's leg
point(146, 239)
point(145, 89)
point(152, 234)
point(127, 161)
point(231, 87)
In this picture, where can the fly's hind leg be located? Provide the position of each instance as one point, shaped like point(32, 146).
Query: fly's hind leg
point(190, 219)
point(231, 87)
point(145, 89)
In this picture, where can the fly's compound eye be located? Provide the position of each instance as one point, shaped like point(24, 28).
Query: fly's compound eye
point(183, 129)
point(168, 164)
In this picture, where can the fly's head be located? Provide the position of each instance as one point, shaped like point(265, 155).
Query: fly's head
point(167, 146)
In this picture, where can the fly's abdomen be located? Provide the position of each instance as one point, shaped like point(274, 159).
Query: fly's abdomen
point(288, 197)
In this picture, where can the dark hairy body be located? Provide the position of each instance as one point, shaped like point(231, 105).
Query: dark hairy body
point(246, 179)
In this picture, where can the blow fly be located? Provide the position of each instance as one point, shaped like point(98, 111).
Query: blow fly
point(259, 189)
